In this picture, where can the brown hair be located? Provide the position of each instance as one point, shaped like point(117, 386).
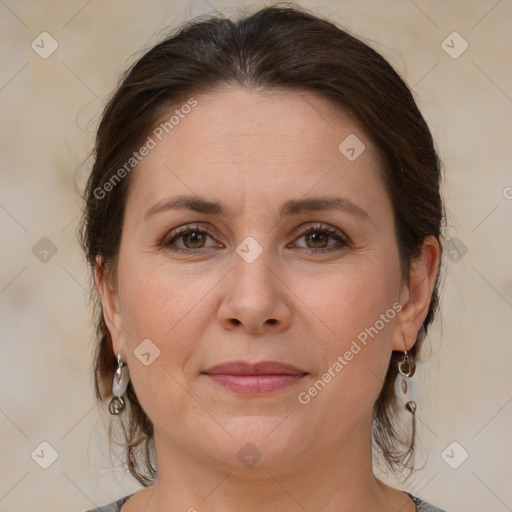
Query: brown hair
point(280, 47)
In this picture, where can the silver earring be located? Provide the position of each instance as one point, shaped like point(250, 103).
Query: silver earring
point(407, 368)
point(120, 383)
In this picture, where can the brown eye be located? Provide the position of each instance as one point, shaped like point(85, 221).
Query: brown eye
point(316, 240)
point(194, 239)
point(321, 238)
point(190, 239)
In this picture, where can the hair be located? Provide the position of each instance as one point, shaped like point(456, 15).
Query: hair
point(278, 47)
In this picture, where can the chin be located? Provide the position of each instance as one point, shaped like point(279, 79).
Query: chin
point(259, 442)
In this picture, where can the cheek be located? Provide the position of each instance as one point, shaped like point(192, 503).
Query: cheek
point(351, 299)
point(354, 364)
point(158, 300)
point(357, 317)
point(161, 306)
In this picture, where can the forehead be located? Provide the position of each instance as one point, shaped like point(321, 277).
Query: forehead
point(251, 121)
point(262, 142)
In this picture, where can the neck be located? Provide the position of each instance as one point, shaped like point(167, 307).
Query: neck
point(330, 479)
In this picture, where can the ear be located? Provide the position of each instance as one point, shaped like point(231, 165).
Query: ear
point(415, 297)
point(110, 304)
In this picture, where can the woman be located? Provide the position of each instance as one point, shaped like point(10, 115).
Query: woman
point(263, 222)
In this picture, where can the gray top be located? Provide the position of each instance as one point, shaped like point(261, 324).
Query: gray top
point(421, 506)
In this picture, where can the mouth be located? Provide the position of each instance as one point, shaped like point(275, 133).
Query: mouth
point(260, 378)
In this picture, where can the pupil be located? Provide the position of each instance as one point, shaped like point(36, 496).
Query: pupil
point(316, 238)
point(194, 238)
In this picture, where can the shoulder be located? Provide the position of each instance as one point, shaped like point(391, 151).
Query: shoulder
point(423, 506)
point(115, 506)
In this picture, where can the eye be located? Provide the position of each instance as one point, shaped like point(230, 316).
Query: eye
point(320, 238)
point(189, 239)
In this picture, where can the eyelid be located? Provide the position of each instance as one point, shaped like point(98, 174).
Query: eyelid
point(331, 231)
point(176, 233)
point(318, 226)
point(300, 231)
point(327, 228)
point(194, 226)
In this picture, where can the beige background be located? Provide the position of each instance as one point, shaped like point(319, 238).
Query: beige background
point(50, 108)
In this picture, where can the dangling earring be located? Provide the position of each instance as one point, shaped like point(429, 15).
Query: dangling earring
point(407, 368)
point(120, 383)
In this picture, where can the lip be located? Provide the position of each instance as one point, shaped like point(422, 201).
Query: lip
point(259, 378)
point(260, 368)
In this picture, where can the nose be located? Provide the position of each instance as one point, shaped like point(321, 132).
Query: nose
point(255, 298)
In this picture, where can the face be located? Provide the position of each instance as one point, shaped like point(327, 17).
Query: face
point(250, 240)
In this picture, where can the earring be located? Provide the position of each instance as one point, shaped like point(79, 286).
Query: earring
point(407, 368)
point(120, 383)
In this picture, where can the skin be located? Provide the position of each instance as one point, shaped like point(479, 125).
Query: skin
point(253, 151)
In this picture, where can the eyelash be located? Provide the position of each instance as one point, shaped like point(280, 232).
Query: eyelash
point(325, 230)
point(169, 241)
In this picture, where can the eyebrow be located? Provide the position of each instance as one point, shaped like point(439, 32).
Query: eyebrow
point(291, 207)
